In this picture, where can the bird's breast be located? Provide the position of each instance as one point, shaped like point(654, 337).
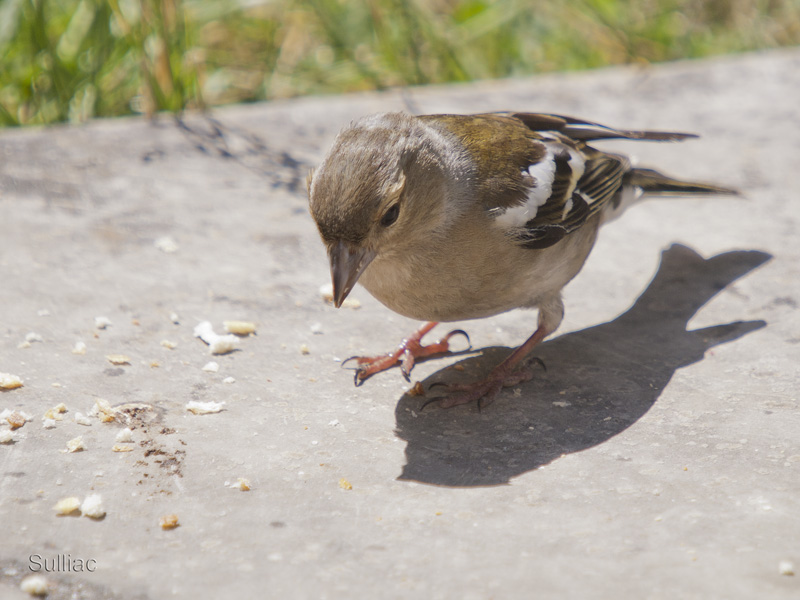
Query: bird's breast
point(474, 276)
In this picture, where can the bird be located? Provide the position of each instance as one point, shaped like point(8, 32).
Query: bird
point(451, 217)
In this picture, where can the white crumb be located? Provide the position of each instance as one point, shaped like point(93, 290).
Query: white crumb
point(203, 408)
point(785, 567)
point(102, 322)
point(229, 380)
point(169, 345)
point(6, 436)
point(33, 337)
point(166, 244)
point(124, 436)
point(217, 344)
point(49, 424)
point(79, 347)
point(35, 585)
point(93, 507)
point(211, 367)
point(82, 419)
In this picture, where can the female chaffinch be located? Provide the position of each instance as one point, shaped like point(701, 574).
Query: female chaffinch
point(453, 217)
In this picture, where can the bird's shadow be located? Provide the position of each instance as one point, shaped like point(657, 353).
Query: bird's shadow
point(600, 381)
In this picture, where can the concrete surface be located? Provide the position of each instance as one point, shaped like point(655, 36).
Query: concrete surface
point(657, 457)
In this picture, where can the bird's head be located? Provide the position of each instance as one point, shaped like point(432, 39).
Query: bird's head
point(376, 192)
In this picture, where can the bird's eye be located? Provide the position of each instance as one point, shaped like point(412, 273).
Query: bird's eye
point(390, 216)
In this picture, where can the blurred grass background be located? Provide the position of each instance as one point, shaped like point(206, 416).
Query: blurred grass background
point(70, 60)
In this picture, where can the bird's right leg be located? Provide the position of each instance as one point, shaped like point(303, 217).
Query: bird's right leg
point(406, 354)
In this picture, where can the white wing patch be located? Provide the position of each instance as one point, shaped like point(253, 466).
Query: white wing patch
point(543, 173)
point(578, 166)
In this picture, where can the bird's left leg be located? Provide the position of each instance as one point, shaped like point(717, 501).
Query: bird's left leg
point(406, 354)
point(512, 370)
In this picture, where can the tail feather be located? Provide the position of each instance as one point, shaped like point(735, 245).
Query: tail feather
point(653, 182)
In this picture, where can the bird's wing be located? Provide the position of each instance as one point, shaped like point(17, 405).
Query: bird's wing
point(579, 129)
point(573, 181)
point(536, 175)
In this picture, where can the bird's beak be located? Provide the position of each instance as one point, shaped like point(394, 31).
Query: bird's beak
point(347, 265)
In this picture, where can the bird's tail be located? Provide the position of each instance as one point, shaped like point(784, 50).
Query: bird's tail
point(640, 183)
point(653, 182)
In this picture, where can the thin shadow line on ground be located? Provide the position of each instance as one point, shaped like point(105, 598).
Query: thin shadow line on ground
point(599, 382)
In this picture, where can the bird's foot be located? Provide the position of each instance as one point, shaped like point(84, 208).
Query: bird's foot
point(406, 355)
point(484, 391)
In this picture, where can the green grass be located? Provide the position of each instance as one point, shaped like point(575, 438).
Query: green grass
point(70, 60)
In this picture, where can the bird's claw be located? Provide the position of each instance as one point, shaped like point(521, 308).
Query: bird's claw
point(405, 356)
point(458, 332)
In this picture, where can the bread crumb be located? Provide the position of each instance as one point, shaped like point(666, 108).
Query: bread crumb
point(118, 359)
point(124, 436)
point(82, 419)
point(55, 412)
point(326, 291)
point(103, 411)
point(102, 322)
point(35, 585)
point(67, 506)
point(344, 484)
point(121, 448)
point(169, 345)
point(211, 367)
point(166, 244)
point(229, 380)
point(786, 567)
point(92, 507)
point(6, 436)
point(239, 327)
point(203, 408)
point(75, 445)
point(304, 349)
point(79, 347)
point(241, 484)
point(168, 522)
point(217, 344)
point(16, 420)
point(9, 381)
point(49, 423)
